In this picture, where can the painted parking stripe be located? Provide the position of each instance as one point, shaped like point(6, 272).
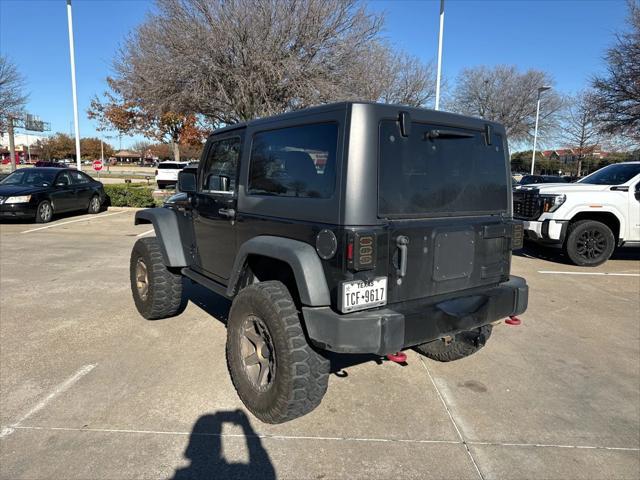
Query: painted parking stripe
point(591, 273)
point(61, 388)
point(95, 217)
point(269, 436)
point(145, 233)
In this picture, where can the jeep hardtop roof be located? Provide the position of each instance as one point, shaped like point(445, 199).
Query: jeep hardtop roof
point(381, 109)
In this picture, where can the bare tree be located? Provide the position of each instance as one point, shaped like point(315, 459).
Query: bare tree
point(12, 91)
point(141, 146)
point(504, 95)
point(389, 76)
point(235, 60)
point(580, 129)
point(618, 90)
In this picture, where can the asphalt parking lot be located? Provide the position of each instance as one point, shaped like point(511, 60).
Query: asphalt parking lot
point(89, 389)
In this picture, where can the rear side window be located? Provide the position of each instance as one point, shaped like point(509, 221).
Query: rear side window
point(171, 166)
point(79, 178)
point(440, 171)
point(295, 161)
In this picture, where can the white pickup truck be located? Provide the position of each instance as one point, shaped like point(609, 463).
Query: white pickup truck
point(589, 219)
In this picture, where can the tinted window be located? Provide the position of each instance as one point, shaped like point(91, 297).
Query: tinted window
point(63, 179)
point(449, 172)
point(295, 161)
point(222, 161)
point(613, 174)
point(80, 178)
point(172, 166)
point(30, 176)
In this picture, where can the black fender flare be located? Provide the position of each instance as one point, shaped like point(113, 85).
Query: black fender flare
point(300, 256)
point(165, 223)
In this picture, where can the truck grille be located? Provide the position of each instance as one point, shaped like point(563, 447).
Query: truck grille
point(527, 204)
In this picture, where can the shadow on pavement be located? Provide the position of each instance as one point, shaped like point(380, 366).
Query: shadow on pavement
point(206, 454)
point(212, 303)
point(218, 307)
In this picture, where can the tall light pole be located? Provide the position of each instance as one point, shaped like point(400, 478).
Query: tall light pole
point(535, 132)
point(72, 56)
point(439, 74)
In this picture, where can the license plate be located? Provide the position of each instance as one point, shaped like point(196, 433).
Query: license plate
point(360, 294)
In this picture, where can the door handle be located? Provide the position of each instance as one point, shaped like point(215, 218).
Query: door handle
point(401, 243)
point(229, 213)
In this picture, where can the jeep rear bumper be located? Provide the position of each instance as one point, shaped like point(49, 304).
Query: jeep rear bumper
point(403, 325)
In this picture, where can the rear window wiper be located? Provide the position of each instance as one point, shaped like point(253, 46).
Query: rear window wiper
point(437, 133)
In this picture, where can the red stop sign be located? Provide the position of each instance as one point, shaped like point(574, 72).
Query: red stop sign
point(97, 165)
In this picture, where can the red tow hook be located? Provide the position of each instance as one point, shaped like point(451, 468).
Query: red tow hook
point(513, 320)
point(398, 357)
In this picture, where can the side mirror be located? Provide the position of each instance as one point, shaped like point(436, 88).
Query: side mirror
point(224, 183)
point(187, 182)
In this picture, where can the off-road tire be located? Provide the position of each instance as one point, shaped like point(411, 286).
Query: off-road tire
point(41, 217)
point(164, 294)
point(94, 205)
point(301, 373)
point(576, 235)
point(461, 346)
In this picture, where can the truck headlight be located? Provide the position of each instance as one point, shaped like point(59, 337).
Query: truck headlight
point(550, 203)
point(18, 199)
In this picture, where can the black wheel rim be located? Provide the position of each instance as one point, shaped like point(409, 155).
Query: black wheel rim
point(258, 354)
point(45, 211)
point(591, 244)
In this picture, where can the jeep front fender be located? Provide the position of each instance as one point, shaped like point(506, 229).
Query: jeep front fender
point(165, 223)
point(300, 256)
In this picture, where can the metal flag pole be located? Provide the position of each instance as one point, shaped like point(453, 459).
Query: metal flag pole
point(439, 74)
point(72, 56)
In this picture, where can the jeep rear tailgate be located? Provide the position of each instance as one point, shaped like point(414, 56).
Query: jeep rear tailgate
point(445, 193)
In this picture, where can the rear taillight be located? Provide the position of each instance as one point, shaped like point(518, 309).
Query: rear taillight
point(361, 251)
point(517, 235)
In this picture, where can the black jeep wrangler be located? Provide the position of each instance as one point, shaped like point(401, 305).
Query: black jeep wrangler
point(351, 227)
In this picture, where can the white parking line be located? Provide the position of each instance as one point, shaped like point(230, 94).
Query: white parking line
point(453, 421)
point(591, 273)
point(93, 217)
point(321, 438)
point(145, 233)
point(63, 387)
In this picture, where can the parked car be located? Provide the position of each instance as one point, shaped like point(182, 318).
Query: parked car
point(167, 173)
point(352, 228)
point(531, 179)
point(589, 219)
point(38, 193)
point(42, 163)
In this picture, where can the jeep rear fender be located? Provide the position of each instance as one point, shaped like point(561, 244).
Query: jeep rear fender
point(165, 223)
point(300, 256)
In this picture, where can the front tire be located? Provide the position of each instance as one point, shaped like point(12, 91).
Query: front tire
point(277, 374)
point(461, 346)
point(94, 205)
point(157, 292)
point(44, 212)
point(589, 243)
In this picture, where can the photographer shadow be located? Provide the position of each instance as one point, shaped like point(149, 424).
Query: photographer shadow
point(206, 455)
